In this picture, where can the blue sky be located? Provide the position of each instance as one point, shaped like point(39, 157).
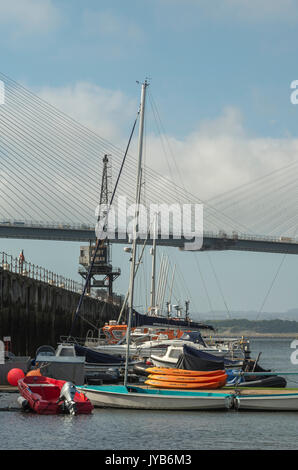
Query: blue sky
point(220, 68)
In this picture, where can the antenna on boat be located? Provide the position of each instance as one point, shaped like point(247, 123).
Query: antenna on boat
point(137, 200)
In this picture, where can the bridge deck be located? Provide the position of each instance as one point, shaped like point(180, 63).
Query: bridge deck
point(212, 242)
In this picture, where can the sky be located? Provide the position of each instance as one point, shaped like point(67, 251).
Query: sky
point(220, 73)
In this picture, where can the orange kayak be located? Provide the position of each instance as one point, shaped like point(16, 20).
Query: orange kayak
point(183, 372)
point(183, 379)
point(193, 385)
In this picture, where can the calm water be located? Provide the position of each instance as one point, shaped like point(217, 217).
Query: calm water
point(156, 430)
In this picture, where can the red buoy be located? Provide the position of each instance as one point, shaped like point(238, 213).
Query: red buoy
point(14, 375)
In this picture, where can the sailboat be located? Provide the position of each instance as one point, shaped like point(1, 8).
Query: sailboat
point(144, 397)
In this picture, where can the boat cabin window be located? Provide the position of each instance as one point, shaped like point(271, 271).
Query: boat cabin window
point(67, 352)
point(175, 353)
point(119, 333)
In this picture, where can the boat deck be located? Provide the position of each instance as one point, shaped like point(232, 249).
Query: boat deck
point(8, 389)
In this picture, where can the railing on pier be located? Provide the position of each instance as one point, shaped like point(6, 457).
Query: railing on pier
point(38, 273)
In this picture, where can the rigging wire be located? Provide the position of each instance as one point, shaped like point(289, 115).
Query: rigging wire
point(45, 107)
point(219, 286)
point(203, 282)
point(271, 286)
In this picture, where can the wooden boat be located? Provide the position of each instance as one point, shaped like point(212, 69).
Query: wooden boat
point(50, 396)
point(186, 385)
point(266, 400)
point(145, 398)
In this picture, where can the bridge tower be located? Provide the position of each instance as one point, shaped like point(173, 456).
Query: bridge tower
point(103, 274)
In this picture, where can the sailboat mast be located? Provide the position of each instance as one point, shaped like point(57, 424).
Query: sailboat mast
point(153, 252)
point(134, 244)
point(172, 282)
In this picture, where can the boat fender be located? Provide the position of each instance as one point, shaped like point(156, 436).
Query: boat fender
point(236, 402)
point(229, 402)
point(67, 395)
point(113, 371)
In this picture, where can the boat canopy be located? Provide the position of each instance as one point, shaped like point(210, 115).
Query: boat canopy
point(97, 357)
point(195, 359)
point(194, 336)
point(151, 320)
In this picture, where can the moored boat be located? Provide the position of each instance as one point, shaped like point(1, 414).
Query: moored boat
point(266, 400)
point(50, 396)
point(186, 385)
point(187, 379)
point(182, 372)
point(183, 380)
point(132, 397)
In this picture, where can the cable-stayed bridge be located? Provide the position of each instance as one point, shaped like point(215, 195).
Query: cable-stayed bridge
point(50, 170)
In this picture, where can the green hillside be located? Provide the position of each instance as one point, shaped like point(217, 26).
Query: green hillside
point(258, 326)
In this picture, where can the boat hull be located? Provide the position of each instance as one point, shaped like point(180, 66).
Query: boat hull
point(267, 402)
point(149, 399)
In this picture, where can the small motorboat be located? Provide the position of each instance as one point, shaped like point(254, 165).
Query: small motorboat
point(246, 377)
point(50, 396)
point(266, 400)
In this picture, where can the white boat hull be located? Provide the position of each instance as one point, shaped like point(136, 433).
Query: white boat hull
point(276, 402)
point(159, 400)
point(159, 362)
point(116, 350)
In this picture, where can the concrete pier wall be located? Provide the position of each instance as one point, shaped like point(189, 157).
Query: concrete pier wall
point(35, 313)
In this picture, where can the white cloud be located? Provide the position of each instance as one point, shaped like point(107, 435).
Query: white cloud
point(26, 17)
point(217, 157)
point(107, 112)
point(221, 155)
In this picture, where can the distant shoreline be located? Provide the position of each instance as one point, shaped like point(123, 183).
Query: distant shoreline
point(253, 334)
point(255, 328)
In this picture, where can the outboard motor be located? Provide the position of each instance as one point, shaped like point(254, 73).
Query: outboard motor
point(23, 403)
point(67, 394)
